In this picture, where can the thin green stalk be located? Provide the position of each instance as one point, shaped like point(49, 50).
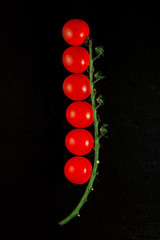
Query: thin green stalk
point(89, 188)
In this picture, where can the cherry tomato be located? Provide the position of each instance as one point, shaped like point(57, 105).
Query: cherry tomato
point(75, 31)
point(77, 86)
point(78, 170)
point(76, 59)
point(79, 141)
point(80, 114)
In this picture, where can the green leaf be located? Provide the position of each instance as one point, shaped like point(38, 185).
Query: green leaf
point(99, 50)
point(98, 74)
point(87, 40)
point(103, 129)
point(100, 100)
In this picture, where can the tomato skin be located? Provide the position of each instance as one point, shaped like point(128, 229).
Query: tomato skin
point(78, 170)
point(75, 31)
point(80, 114)
point(77, 86)
point(76, 59)
point(79, 141)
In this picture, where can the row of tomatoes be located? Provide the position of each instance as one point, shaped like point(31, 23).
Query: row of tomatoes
point(79, 113)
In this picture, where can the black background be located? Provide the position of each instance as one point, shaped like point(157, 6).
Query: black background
point(34, 194)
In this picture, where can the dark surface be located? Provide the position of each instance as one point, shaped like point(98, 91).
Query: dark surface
point(34, 194)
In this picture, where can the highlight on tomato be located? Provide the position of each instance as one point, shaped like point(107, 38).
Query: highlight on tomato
point(78, 170)
point(77, 86)
point(75, 31)
point(80, 114)
point(76, 59)
point(79, 141)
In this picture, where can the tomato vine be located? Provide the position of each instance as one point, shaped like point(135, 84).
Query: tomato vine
point(98, 133)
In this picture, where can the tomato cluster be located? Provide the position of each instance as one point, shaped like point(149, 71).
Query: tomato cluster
point(79, 113)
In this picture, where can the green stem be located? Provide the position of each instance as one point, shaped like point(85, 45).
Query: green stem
point(97, 80)
point(94, 59)
point(89, 188)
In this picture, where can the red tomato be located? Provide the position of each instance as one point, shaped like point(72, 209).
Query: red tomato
point(76, 59)
point(80, 114)
point(77, 87)
point(78, 170)
point(75, 31)
point(79, 141)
